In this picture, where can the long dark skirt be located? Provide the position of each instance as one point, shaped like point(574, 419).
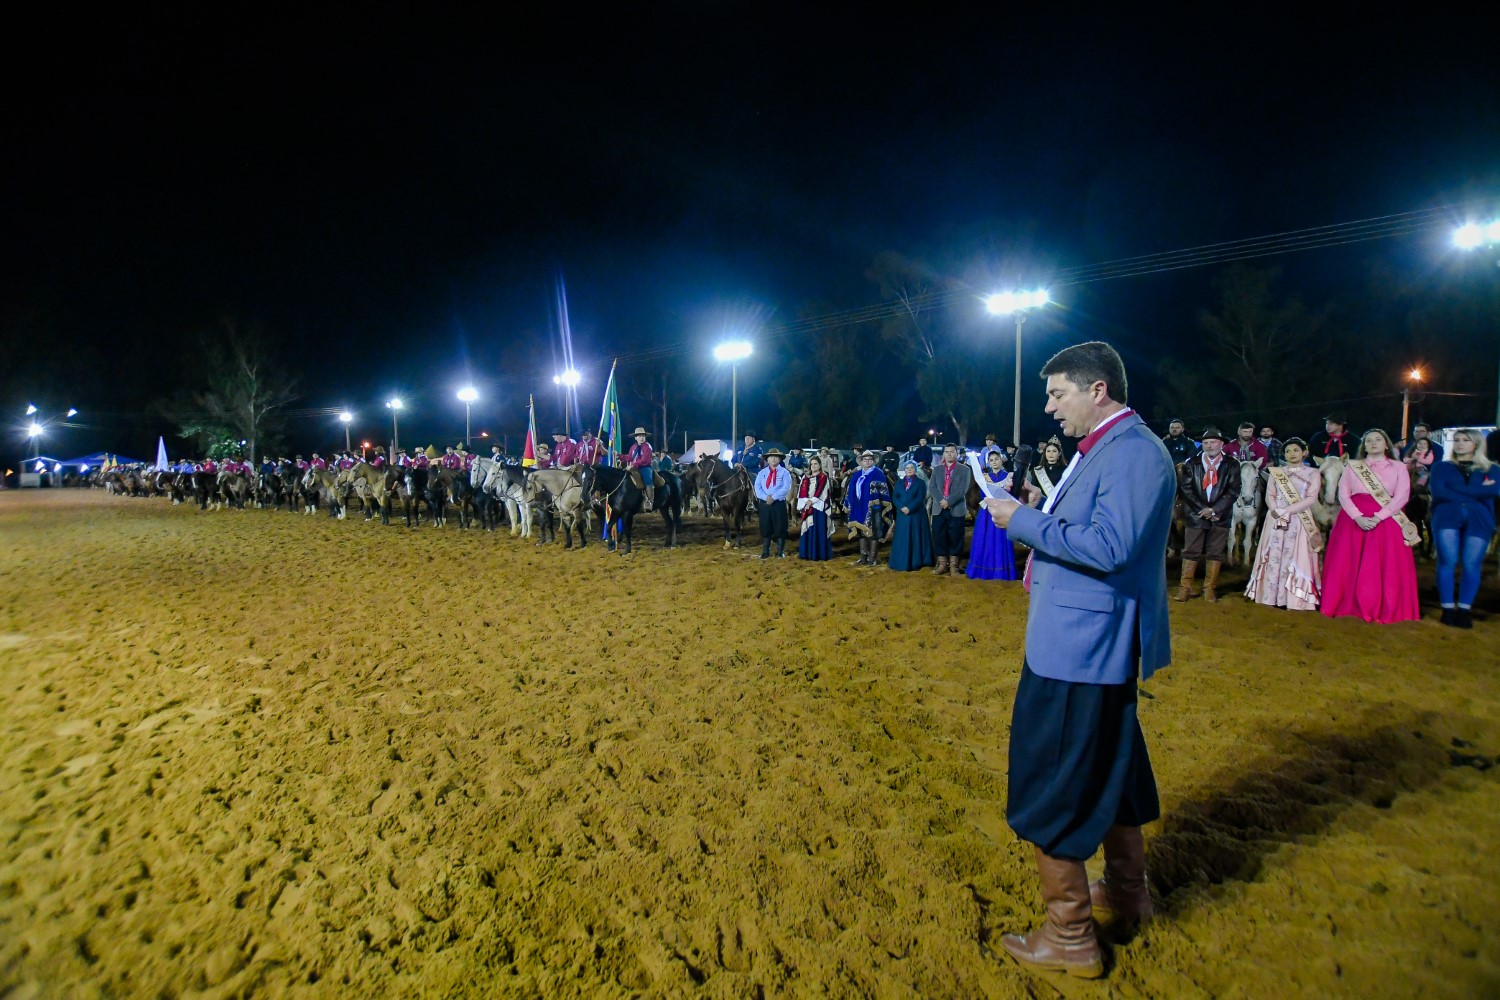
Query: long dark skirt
point(1078, 765)
point(813, 544)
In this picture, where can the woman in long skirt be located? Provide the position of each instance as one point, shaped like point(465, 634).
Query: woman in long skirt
point(1369, 570)
point(812, 512)
point(911, 546)
point(991, 556)
point(1286, 572)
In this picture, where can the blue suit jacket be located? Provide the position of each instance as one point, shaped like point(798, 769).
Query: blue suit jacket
point(1099, 575)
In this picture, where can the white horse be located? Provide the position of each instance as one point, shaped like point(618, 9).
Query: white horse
point(506, 483)
point(1249, 511)
point(1326, 509)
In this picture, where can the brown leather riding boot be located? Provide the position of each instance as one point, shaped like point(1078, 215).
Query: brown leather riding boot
point(1066, 941)
point(1189, 570)
point(1123, 890)
point(953, 569)
point(1211, 581)
point(942, 566)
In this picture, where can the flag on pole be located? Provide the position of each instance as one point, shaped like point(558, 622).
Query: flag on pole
point(528, 454)
point(161, 454)
point(609, 420)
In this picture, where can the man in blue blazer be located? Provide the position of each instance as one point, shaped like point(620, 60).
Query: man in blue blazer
point(1079, 772)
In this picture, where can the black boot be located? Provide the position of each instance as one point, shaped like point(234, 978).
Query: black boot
point(781, 548)
point(1450, 617)
point(765, 548)
point(1463, 619)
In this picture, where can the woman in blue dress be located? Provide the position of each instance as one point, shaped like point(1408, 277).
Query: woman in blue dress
point(911, 546)
point(812, 513)
point(990, 555)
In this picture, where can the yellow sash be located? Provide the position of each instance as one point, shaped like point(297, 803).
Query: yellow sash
point(1409, 533)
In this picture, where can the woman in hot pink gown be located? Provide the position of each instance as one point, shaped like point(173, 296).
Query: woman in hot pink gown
point(1286, 572)
point(1368, 570)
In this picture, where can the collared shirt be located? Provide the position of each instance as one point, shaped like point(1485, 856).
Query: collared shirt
point(773, 483)
point(1084, 447)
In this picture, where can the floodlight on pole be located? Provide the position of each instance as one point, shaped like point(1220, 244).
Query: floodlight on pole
point(34, 431)
point(395, 407)
point(1413, 376)
point(733, 352)
point(1016, 304)
point(30, 409)
point(72, 413)
point(468, 394)
point(1472, 236)
point(347, 418)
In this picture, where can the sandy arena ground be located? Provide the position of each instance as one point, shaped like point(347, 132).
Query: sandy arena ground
point(262, 754)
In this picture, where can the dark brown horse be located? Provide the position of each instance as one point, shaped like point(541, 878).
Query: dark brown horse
point(731, 490)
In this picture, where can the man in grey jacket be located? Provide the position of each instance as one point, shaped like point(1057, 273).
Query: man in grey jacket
point(946, 489)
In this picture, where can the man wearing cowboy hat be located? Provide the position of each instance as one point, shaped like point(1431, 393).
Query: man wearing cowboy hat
point(750, 455)
point(565, 450)
point(639, 458)
point(771, 487)
point(1207, 485)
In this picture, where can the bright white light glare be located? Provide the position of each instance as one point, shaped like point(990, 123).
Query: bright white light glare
point(728, 454)
point(72, 413)
point(82, 469)
point(57, 468)
point(569, 378)
point(468, 394)
point(33, 429)
point(30, 409)
point(1008, 302)
point(1001, 303)
point(394, 404)
point(1468, 236)
point(734, 350)
point(1416, 374)
point(346, 417)
point(1492, 231)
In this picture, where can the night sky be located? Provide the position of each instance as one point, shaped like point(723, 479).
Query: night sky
point(395, 202)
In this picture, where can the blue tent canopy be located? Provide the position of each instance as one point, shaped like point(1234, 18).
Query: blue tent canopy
point(98, 458)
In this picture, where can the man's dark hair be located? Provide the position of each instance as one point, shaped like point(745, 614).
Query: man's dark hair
point(1085, 364)
point(1422, 424)
point(1247, 425)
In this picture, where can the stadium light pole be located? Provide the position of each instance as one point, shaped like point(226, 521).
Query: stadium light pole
point(395, 407)
point(346, 418)
point(34, 431)
point(734, 351)
point(568, 379)
point(468, 394)
point(1472, 236)
point(1415, 375)
point(1016, 304)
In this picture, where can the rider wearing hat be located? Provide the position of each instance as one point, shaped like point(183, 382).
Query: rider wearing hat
point(564, 450)
point(772, 484)
point(1207, 485)
point(639, 458)
point(750, 456)
point(1334, 440)
point(590, 449)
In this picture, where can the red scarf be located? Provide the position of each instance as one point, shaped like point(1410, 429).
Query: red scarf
point(947, 477)
point(771, 479)
point(1211, 474)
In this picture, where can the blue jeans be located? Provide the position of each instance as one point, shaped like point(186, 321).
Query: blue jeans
point(1459, 547)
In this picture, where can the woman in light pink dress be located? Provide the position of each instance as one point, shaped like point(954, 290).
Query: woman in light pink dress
point(1369, 570)
point(1286, 573)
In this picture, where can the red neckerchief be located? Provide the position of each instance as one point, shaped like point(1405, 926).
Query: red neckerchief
point(1211, 474)
point(1093, 436)
point(771, 479)
point(948, 477)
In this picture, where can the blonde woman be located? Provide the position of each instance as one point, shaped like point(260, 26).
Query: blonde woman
point(1464, 491)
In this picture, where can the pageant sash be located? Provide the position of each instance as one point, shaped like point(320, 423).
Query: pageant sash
point(1292, 495)
point(1409, 533)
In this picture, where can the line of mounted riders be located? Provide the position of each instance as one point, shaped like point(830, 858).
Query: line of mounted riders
point(490, 494)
